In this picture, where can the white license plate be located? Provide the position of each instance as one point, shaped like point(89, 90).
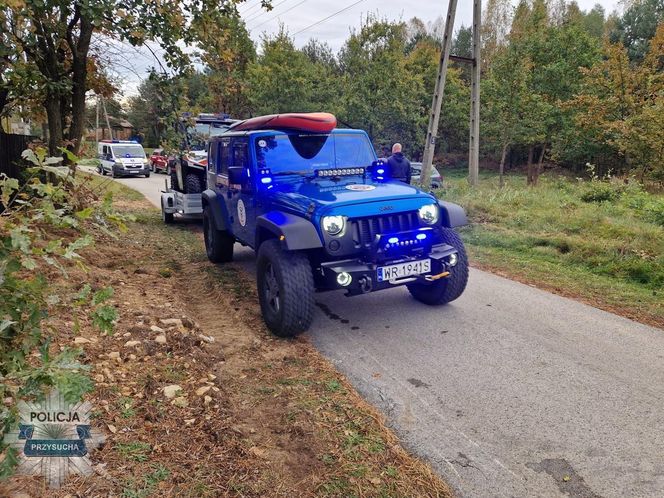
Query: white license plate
point(134, 171)
point(403, 270)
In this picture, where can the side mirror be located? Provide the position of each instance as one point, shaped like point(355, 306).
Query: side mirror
point(236, 175)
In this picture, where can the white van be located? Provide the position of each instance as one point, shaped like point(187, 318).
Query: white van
point(122, 158)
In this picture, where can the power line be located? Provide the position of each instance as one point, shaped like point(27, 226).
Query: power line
point(262, 13)
point(329, 17)
point(278, 15)
point(248, 4)
point(252, 8)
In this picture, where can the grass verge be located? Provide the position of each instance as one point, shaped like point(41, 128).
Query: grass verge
point(600, 242)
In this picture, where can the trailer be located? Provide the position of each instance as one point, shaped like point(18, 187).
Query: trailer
point(174, 202)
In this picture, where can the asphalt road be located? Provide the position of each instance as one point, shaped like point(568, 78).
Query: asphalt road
point(510, 390)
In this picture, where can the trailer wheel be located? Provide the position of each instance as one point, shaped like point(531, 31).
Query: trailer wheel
point(218, 243)
point(193, 184)
point(167, 218)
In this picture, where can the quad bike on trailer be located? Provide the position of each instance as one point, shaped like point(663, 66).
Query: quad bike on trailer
point(188, 174)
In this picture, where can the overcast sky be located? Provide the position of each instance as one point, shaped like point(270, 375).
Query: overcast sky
point(297, 15)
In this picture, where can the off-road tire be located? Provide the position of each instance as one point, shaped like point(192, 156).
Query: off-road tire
point(168, 218)
point(449, 288)
point(193, 184)
point(218, 243)
point(292, 272)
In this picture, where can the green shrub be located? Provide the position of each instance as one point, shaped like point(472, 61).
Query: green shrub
point(598, 191)
point(31, 237)
point(654, 211)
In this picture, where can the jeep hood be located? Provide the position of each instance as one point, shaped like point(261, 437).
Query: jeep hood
point(350, 198)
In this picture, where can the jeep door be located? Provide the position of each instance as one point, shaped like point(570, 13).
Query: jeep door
point(241, 198)
point(229, 152)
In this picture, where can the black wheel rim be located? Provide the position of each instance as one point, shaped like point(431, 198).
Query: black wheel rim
point(271, 289)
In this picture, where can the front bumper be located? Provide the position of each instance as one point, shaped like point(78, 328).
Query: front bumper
point(365, 275)
point(120, 171)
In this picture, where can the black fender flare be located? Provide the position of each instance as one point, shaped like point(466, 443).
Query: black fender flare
point(452, 215)
point(217, 207)
point(298, 233)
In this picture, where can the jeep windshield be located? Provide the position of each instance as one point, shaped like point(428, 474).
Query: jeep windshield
point(303, 154)
point(128, 151)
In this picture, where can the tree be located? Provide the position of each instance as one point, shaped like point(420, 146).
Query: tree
point(496, 20)
point(157, 109)
point(380, 94)
point(621, 106)
point(56, 36)
point(637, 26)
point(282, 78)
point(594, 21)
point(510, 103)
point(227, 51)
point(453, 128)
point(462, 45)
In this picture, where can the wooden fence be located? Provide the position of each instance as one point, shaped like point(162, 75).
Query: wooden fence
point(11, 147)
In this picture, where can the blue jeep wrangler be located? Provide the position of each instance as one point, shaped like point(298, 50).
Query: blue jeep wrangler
point(322, 215)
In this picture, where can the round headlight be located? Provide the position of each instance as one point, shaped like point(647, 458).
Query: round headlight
point(428, 214)
point(334, 225)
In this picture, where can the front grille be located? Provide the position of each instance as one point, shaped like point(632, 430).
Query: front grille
point(365, 230)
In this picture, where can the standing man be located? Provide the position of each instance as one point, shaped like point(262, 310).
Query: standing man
point(399, 166)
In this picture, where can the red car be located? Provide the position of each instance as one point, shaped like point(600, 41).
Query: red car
point(160, 162)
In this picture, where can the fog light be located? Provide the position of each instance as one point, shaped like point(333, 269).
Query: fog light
point(454, 259)
point(344, 279)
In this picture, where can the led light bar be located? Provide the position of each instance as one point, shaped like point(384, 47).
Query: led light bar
point(326, 173)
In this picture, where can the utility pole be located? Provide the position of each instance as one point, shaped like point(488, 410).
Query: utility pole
point(108, 123)
point(97, 121)
point(474, 154)
point(434, 118)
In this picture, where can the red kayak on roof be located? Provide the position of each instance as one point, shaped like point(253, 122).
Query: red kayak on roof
point(312, 122)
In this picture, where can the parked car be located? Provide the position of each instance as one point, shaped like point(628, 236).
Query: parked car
point(122, 158)
point(436, 179)
point(321, 215)
point(159, 162)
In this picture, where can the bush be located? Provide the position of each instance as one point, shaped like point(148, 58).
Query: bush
point(598, 191)
point(43, 224)
point(654, 211)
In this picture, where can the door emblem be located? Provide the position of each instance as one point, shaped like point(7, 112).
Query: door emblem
point(241, 213)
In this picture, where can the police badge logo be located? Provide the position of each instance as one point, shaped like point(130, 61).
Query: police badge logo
point(54, 439)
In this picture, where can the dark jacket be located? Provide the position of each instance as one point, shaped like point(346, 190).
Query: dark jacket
point(399, 167)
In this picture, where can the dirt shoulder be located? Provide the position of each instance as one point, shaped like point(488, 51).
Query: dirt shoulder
point(196, 398)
